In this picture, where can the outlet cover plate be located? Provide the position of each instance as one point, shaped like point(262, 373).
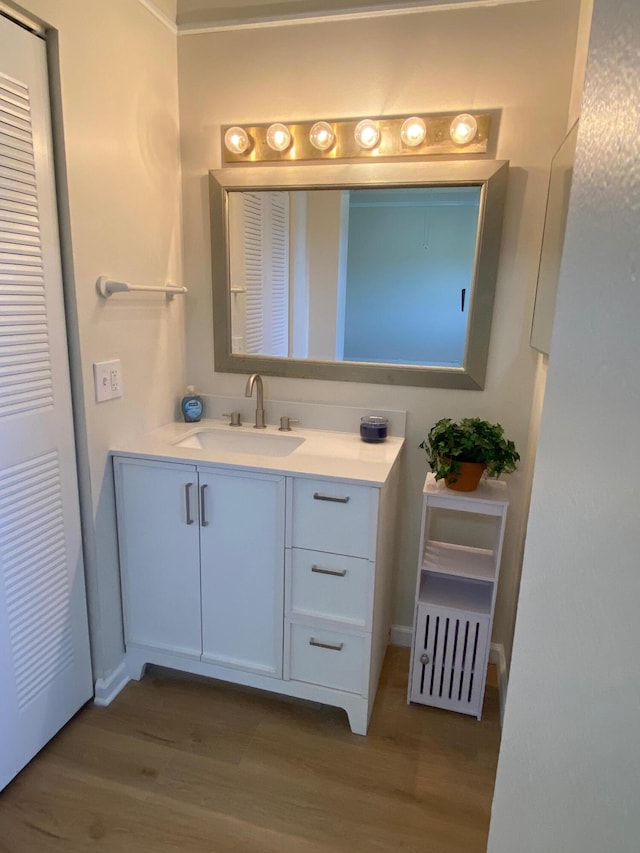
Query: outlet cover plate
point(107, 377)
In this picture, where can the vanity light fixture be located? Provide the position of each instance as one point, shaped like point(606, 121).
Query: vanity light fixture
point(463, 129)
point(413, 135)
point(237, 140)
point(413, 131)
point(321, 136)
point(367, 134)
point(278, 137)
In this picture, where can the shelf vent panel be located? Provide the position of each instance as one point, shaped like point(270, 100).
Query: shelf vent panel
point(450, 659)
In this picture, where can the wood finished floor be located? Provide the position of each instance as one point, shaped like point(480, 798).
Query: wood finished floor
point(196, 766)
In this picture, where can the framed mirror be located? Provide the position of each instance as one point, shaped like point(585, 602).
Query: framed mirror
point(380, 273)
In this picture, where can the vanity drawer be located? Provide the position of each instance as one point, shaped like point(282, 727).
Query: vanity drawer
point(330, 586)
point(329, 658)
point(335, 517)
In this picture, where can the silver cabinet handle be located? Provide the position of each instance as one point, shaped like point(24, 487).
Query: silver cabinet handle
point(318, 497)
point(187, 502)
point(335, 647)
point(425, 659)
point(203, 506)
point(338, 573)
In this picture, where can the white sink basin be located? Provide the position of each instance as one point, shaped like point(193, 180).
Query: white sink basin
point(239, 440)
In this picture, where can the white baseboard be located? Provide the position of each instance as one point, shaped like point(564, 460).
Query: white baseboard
point(400, 635)
point(106, 689)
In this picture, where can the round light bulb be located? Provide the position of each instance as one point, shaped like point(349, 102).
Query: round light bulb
point(278, 137)
point(463, 129)
point(321, 136)
point(367, 133)
point(237, 140)
point(413, 131)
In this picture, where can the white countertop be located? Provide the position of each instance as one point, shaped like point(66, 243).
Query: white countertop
point(323, 454)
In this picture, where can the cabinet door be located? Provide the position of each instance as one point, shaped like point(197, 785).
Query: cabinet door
point(242, 567)
point(159, 554)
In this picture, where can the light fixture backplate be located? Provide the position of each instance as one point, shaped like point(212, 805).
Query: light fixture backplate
point(437, 140)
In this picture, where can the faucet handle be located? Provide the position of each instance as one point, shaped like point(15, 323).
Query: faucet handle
point(235, 418)
point(285, 423)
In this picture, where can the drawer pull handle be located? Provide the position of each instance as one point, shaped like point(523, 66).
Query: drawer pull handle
point(318, 497)
point(187, 502)
point(203, 506)
point(425, 659)
point(338, 573)
point(335, 647)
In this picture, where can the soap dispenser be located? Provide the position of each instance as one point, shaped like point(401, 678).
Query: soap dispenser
point(191, 405)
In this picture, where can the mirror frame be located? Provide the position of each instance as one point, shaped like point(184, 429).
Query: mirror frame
point(491, 175)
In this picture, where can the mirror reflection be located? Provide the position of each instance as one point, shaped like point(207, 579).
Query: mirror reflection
point(378, 276)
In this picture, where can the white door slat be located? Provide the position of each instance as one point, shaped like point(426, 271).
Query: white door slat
point(18, 125)
point(12, 143)
point(23, 278)
point(11, 131)
point(13, 202)
point(18, 223)
point(16, 107)
point(29, 378)
point(15, 342)
point(17, 239)
point(15, 97)
point(16, 158)
point(17, 171)
point(19, 187)
point(24, 262)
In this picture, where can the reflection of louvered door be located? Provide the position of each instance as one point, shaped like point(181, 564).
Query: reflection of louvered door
point(45, 673)
point(259, 259)
point(450, 659)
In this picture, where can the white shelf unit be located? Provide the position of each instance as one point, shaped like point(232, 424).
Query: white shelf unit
point(460, 551)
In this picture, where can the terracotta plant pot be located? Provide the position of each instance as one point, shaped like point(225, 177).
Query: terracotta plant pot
point(467, 478)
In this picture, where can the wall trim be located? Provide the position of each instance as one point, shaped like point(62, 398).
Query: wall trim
point(376, 12)
point(164, 19)
point(106, 689)
point(400, 635)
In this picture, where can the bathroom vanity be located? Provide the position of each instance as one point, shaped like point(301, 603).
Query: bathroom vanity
point(259, 557)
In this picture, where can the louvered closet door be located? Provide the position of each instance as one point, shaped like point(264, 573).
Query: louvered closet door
point(45, 673)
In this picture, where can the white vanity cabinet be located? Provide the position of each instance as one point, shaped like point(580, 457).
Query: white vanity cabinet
point(242, 569)
point(272, 581)
point(337, 603)
point(332, 539)
point(159, 555)
point(202, 566)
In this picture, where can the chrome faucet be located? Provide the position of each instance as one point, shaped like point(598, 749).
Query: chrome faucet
point(256, 379)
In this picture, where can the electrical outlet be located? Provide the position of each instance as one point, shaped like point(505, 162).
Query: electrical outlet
point(107, 377)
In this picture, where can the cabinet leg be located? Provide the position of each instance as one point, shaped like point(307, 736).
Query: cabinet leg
point(358, 719)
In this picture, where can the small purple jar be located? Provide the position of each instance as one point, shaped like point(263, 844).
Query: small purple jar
point(373, 429)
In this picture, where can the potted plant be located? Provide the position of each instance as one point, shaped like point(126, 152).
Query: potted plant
point(460, 452)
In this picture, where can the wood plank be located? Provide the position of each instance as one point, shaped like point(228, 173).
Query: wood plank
point(179, 763)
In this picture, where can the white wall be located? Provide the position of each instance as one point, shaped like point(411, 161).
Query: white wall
point(117, 90)
point(517, 59)
point(570, 759)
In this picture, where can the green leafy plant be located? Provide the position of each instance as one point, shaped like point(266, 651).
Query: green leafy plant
point(449, 443)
